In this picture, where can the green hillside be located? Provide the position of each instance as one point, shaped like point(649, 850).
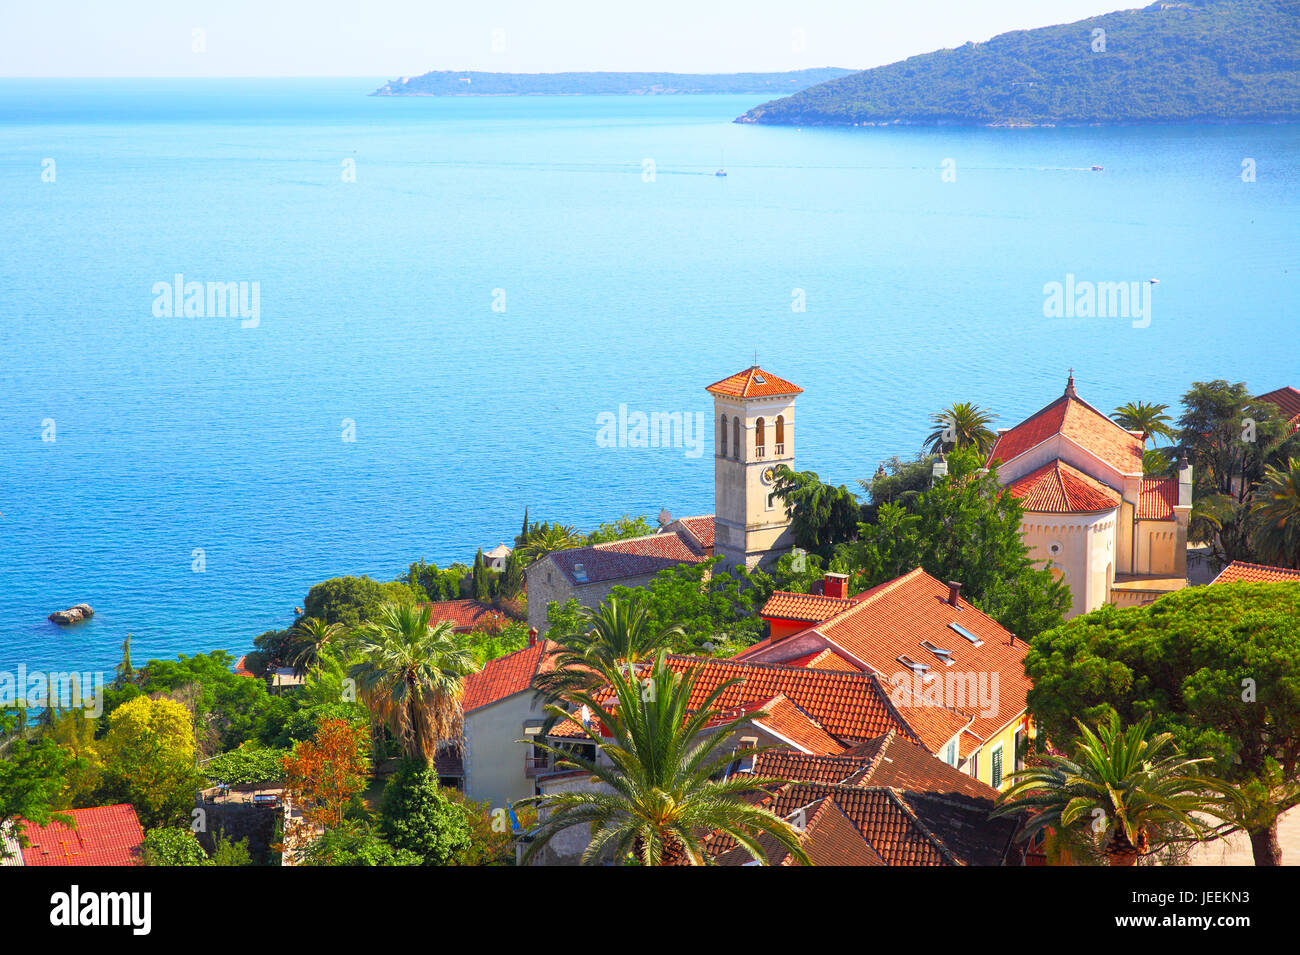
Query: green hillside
point(451, 83)
point(1191, 61)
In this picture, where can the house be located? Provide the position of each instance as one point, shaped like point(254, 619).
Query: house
point(495, 559)
point(1256, 573)
point(1091, 515)
point(956, 675)
point(501, 708)
point(754, 414)
point(591, 573)
point(102, 836)
point(464, 615)
point(885, 802)
point(806, 712)
point(1287, 401)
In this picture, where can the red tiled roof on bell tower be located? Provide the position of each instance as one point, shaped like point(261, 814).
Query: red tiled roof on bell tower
point(753, 383)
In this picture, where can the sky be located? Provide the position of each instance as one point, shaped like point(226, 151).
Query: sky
point(392, 38)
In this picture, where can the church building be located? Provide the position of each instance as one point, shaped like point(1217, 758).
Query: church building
point(754, 414)
point(1111, 533)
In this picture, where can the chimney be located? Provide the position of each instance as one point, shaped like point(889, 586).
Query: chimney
point(532, 636)
point(836, 585)
point(954, 591)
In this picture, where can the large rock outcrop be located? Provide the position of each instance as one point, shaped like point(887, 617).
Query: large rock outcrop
point(72, 615)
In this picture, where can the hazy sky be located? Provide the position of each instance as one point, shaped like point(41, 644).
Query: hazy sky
point(392, 38)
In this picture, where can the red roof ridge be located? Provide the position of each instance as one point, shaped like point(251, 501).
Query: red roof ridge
point(743, 385)
point(1242, 571)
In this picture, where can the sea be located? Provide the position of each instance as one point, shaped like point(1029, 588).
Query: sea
point(440, 300)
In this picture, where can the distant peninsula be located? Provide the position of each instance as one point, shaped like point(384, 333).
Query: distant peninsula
point(470, 83)
point(1198, 61)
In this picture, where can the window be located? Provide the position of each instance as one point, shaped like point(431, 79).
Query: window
point(944, 655)
point(735, 438)
point(746, 764)
point(771, 501)
point(995, 767)
point(760, 438)
point(975, 765)
point(958, 628)
point(951, 756)
point(722, 430)
point(1017, 757)
point(913, 665)
point(780, 434)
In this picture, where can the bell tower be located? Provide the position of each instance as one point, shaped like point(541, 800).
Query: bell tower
point(753, 422)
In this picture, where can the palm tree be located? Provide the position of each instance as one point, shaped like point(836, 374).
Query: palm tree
point(1129, 787)
point(410, 674)
point(1275, 516)
point(661, 791)
point(1149, 419)
point(310, 636)
point(963, 425)
point(619, 634)
point(546, 539)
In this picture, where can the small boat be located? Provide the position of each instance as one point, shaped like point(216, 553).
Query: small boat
point(721, 172)
point(1098, 168)
point(1154, 281)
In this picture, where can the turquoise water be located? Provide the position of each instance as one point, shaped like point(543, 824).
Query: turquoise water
point(376, 306)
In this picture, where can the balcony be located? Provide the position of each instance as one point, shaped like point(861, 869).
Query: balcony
point(780, 450)
point(760, 451)
point(537, 764)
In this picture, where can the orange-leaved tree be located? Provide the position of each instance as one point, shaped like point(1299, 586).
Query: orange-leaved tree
point(322, 775)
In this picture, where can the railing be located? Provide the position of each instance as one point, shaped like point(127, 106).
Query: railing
point(780, 449)
point(760, 451)
point(533, 764)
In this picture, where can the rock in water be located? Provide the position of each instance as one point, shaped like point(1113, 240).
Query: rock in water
point(73, 614)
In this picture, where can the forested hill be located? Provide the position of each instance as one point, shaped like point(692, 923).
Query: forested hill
point(1171, 62)
point(451, 83)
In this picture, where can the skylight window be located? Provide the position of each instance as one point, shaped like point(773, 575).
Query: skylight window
point(945, 655)
point(760, 380)
point(913, 665)
point(958, 628)
point(580, 573)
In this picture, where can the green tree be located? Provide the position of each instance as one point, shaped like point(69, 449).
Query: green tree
point(660, 794)
point(31, 776)
point(410, 674)
point(149, 759)
point(961, 426)
point(350, 601)
point(1217, 666)
point(512, 578)
point(543, 539)
point(621, 632)
point(1150, 420)
point(419, 818)
point(821, 516)
point(965, 528)
point(709, 605)
point(1131, 790)
point(1230, 439)
point(312, 633)
point(354, 844)
point(172, 846)
point(229, 852)
point(1275, 516)
point(897, 481)
point(623, 528)
point(482, 586)
point(246, 765)
point(124, 672)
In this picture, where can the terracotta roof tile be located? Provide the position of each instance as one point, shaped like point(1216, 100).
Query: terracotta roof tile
point(505, 676)
point(1157, 499)
point(1081, 423)
point(807, 768)
point(464, 615)
point(1287, 401)
point(701, 529)
point(783, 605)
point(633, 557)
point(1058, 488)
point(894, 620)
point(828, 838)
point(788, 722)
point(1256, 573)
point(753, 383)
point(848, 705)
point(105, 835)
point(902, 764)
